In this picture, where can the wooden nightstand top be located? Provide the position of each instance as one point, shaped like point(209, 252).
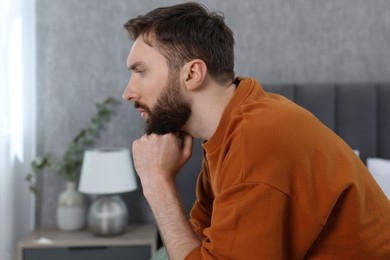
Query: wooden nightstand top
point(54, 238)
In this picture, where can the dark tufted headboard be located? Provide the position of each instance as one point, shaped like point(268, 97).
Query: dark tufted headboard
point(359, 113)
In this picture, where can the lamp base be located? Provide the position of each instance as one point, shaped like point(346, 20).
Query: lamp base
point(107, 215)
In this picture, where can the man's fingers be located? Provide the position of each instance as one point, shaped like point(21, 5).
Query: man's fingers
point(187, 144)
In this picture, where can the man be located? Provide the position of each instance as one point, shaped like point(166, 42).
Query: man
point(275, 182)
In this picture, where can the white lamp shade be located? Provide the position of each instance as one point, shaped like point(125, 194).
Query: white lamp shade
point(107, 171)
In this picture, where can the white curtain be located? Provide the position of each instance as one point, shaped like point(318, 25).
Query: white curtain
point(17, 121)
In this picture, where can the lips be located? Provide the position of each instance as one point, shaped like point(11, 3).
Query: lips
point(144, 114)
point(141, 108)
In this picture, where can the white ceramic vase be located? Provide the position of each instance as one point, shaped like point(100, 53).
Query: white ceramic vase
point(71, 209)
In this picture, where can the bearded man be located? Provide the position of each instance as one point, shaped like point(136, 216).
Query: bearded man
point(275, 182)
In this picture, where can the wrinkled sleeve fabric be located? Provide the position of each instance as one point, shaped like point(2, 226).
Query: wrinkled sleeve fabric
point(202, 209)
point(241, 229)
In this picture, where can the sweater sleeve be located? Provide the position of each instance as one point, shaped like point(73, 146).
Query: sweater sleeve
point(200, 216)
point(255, 221)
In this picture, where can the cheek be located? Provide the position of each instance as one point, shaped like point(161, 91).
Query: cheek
point(157, 86)
point(152, 91)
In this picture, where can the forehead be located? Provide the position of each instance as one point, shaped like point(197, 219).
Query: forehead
point(143, 53)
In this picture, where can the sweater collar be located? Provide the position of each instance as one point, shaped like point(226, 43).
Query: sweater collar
point(243, 90)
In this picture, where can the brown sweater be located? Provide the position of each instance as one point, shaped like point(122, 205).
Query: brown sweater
point(278, 184)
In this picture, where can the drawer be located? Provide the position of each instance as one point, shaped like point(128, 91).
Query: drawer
point(88, 253)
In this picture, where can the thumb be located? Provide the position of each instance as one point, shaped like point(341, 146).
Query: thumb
point(187, 144)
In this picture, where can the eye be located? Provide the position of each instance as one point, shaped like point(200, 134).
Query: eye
point(139, 71)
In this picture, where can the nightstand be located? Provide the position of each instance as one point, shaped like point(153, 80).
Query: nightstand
point(137, 242)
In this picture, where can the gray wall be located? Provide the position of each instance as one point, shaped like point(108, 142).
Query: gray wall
point(82, 55)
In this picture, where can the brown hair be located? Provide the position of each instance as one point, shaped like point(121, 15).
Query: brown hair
point(185, 32)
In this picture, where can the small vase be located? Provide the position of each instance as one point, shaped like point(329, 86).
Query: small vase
point(71, 209)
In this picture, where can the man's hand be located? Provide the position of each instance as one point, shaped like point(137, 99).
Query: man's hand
point(159, 158)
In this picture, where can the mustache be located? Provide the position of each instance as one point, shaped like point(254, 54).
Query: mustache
point(138, 104)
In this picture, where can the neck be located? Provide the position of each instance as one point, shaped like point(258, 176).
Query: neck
point(208, 105)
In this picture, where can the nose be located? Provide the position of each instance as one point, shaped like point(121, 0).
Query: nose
point(130, 92)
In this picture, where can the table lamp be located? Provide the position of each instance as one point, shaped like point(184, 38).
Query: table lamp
point(106, 173)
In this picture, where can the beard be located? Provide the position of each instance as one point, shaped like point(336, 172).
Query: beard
point(170, 112)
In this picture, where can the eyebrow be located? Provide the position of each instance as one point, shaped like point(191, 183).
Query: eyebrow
point(135, 65)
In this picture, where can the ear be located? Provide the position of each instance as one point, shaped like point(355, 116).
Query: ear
point(194, 74)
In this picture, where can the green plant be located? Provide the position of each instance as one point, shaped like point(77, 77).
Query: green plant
point(70, 164)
